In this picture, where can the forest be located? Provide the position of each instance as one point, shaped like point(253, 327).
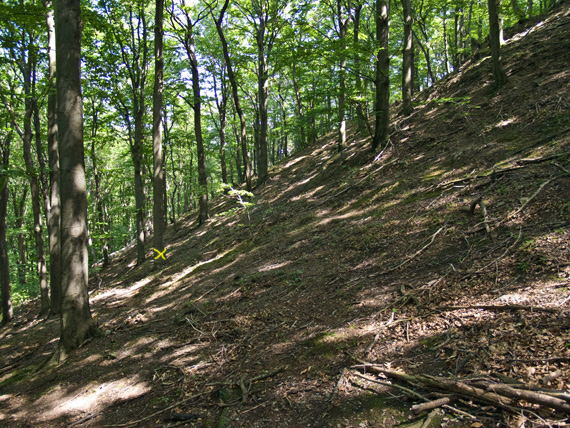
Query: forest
point(149, 149)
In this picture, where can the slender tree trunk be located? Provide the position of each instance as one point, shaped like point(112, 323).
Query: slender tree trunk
point(222, 134)
point(284, 118)
point(445, 41)
point(299, 105)
point(53, 161)
point(102, 226)
point(136, 154)
point(36, 206)
point(382, 75)
point(361, 114)
point(6, 289)
point(237, 104)
point(19, 205)
point(407, 60)
point(262, 91)
point(425, 48)
point(76, 322)
point(239, 169)
point(343, 29)
point(495, 42)
point(197, 107)
point(158, 176)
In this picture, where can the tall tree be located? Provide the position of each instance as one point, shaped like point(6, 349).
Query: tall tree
point(158, 175)
point(76, 321)
point(407, 59)
point(53, 161)
point(6, 290)
point(343, 17)
point(134, 53)
point(382, 112)
point(233, 81)
point(184, 21)
point(263, 16)
point(495, 42)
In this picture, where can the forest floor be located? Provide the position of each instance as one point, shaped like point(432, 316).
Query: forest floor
point(262, 317)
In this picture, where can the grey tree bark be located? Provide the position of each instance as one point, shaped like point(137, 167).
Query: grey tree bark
point(6, 289)
point(53, 161)
point(235, 95)
point(495, 41)
point(382, 112)
point(407, 59)
point(158, 175)
point(76, 322)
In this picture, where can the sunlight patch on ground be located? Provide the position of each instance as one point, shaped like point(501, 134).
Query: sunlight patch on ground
point(117, 295)
point(294, 161)
point(274, 266)
point(165, 287)
point(89, 399)
point(504, 123)
point(308, 195)
point(346, 216)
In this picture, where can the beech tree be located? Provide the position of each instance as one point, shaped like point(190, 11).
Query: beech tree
point(158, 174)
point(187, 25)
point(495, 43)
point(382, 114)
point(6, 290)
point(53, 160)
point(218, 21)
point(76, 321)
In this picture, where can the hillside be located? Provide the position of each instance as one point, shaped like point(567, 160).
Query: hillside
point(447, 254)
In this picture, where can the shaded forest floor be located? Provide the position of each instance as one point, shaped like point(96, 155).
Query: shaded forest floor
point(258, 318)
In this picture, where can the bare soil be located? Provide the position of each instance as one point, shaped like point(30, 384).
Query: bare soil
point(257, 318)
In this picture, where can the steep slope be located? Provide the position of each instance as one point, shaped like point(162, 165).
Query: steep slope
point(257, 317)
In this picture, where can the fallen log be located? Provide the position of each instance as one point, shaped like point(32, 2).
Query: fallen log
point(530, 396)
point(498, 394)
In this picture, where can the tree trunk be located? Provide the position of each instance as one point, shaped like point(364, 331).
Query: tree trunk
point(407, 59)
point(222, 134)
point(197, 107)
point(495, 42)
point(6, 290)
point(136, 154)
point(158, 175)
point(233, 82)
point(53, 161)
point(36, 202)
point(102, 226)
point(262, 93)
point(76, 322)
point(382, 75)
point(425, 48)
point(343, 29)
point(19, 205)
point(299, 105)
point(361, 111)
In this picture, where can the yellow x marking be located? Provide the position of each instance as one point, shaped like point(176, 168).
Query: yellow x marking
point(160, 253)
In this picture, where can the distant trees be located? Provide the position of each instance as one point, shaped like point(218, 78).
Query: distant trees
point(246, 84)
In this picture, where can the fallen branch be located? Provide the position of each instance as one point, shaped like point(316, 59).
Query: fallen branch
point(501, 308)
point(542, 186)
point(253, 379)
point(479, 201)
point(497, 394)
point(146, 418)
point(418, 408)
point(530, 396)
